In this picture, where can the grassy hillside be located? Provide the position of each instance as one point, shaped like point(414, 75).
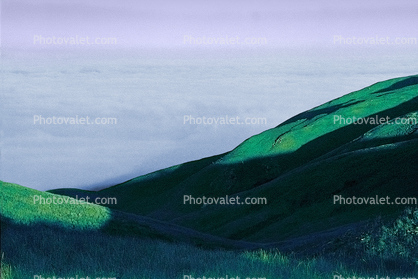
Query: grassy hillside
point(21, 205)
point(18, 208)
point(298, 167)
point(48, 244)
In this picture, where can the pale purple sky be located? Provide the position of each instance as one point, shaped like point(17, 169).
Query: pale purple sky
point(164, 23)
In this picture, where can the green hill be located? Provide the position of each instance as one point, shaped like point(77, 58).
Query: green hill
point(21, 206)
point(29, 207)
point(298, 167)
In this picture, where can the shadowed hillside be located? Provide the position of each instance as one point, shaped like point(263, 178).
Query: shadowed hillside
point(20, 207)
point(298, 166)
point(296, 169)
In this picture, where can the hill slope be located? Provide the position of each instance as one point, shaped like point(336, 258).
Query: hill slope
point(298, 166)
point(21, 211)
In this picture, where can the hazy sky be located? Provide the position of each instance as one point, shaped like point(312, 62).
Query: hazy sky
point(150, 79)
point(165, 23)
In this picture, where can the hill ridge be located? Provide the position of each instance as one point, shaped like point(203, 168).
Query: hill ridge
point(311, 148)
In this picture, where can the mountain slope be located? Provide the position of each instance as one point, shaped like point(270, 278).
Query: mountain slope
point(298, 167)
point(21, 211)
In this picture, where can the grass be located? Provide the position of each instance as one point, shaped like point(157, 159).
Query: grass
point(52, 247)
point(396, 242)
point(96, 254)
point(18, 205)
point(298, 166)
point(5, 269)
point(47, 251)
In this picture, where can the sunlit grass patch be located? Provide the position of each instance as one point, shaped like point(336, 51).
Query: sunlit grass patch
point(5, 269)
point(19, 206)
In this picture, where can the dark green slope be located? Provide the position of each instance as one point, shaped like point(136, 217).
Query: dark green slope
point(19, 213)
point(157, 188)
point(298, 166)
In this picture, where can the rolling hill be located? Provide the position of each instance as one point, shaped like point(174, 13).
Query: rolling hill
point(20, 207)
point(298, 167)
